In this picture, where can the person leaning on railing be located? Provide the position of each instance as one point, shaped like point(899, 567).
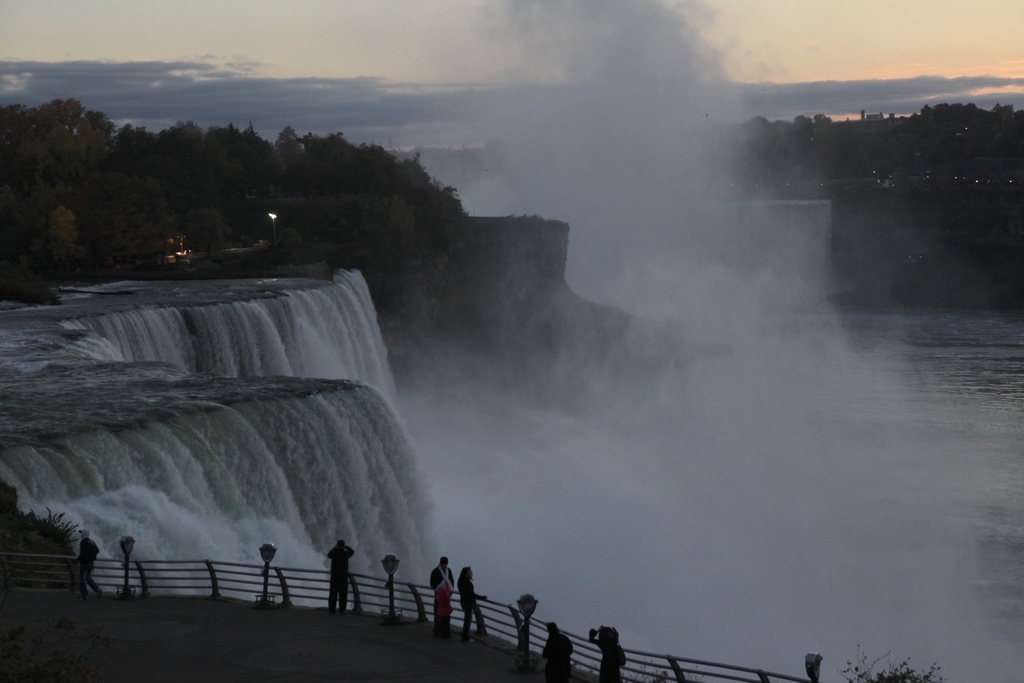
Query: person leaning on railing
point(467, 599)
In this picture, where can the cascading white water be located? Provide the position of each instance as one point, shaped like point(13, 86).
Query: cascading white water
point(328, 332)
point(308, 468)
point(188, 416)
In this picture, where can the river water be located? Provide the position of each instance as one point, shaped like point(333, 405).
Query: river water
point(966, 373)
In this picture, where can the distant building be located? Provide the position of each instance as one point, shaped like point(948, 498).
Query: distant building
point(880, 121)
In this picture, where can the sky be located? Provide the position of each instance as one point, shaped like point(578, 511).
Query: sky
point(415, 70)
point(448, 41)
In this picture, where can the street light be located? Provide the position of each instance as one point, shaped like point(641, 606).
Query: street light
point(524, 662)
point(273, 223)
point(127, 545)
point(390, 563)
point(267, 552)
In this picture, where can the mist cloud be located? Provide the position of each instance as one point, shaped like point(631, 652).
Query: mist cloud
point(747, 504)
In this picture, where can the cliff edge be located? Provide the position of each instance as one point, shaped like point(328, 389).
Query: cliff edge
point(497, 310)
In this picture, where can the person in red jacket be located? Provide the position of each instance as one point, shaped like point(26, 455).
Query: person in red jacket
point(443, 608)
point(441, 574)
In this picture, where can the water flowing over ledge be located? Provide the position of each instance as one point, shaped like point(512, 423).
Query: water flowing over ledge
point(328, 332)
point(312, 460)
point(211, 418)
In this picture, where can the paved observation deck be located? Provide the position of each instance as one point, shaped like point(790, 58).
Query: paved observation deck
point(177, 639)
point(203, 634)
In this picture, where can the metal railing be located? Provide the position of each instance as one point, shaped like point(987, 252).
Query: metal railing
point(368, 594)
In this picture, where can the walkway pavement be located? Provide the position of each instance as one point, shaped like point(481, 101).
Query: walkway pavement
point(194, 640)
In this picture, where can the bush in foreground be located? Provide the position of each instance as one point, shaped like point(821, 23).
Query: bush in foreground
point(17, 283)
point(863, 671)
point(60, 653)
point(27, 532)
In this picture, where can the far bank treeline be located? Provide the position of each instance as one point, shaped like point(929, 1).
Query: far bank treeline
point(78, 193)
point(927, 210)
point(798, 158)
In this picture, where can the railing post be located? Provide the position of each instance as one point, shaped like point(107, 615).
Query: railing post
point(7, 576)
point(72, 577)
point(680, 676)
point(142, 578)
point(214, 588)
point(285, 600)
point(357, 599)
point(515, 617)
point(763, 676)
point(481, 628)
point(421, 610)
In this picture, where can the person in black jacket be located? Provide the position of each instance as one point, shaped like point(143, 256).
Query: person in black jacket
point(437, 576)
point(339, 555)
point(87, 552)
point(557, 651)
point(612, 656)
point(467, 600)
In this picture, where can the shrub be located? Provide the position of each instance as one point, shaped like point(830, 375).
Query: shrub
point(863, 671)
point(17, 283)
point(58, 654)
point(27, 532)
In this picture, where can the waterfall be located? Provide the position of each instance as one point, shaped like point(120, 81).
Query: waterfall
point(329, 331)
point(207, 418)
point(300, 470)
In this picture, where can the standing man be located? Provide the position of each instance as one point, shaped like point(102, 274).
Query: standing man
point(87, 552)
point(558, 652)
point(467, 599)
point(339, 555)
point(438, 575)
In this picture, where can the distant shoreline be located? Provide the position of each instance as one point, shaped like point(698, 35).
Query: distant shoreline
point(314, 271)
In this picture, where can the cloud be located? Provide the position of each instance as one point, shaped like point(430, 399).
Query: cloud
point(157, 94)
point(900, 96)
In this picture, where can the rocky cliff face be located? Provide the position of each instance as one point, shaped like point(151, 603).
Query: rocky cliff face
point(500, 272)
point(497, 311)
point(954, 247)
point(407, 299)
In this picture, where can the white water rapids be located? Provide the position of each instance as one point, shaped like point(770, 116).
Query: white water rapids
point(178, 414)
point(328, 332)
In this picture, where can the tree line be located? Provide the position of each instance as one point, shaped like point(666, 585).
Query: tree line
point(79, 192)
point(796, 159)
